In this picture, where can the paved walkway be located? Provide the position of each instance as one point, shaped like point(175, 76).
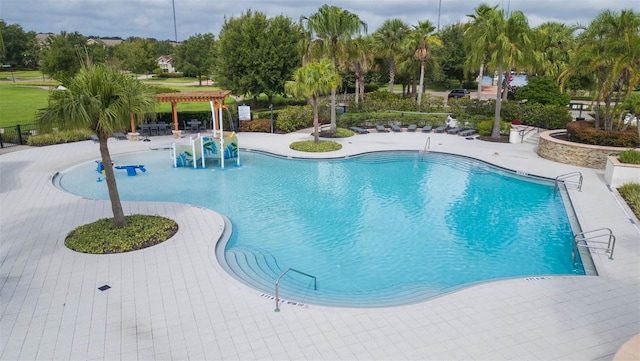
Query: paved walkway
point(173, 300)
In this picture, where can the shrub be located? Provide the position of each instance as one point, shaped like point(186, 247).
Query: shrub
point(485, 127)
point(311, 146)
point(629, 156)
point(631, 194)
point(170, 75)
point(294, 118)
point(59, 137)
point(256, 125)
point(585, 132)
point(102, 237)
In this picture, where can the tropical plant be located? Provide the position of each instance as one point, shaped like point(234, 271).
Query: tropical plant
point(504, 42)
point(101, 99)
point(388, 43)
point(477, 54)
point(330, 29)
point(555, 43)
point(422, 40)
point(313, 80)
point(609, 51)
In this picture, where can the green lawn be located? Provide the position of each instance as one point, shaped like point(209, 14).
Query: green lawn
point(19, 103)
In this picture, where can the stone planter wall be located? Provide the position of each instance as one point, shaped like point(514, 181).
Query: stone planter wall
point(582, 155)
point(617, 174)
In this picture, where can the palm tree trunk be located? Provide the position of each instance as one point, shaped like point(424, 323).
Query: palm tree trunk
point(392, 74)
point(480, 79)
point(357, 90)
point(333, 110)
point(495, 133)
point(118, 214)
point(421, 87)
point(316, 135)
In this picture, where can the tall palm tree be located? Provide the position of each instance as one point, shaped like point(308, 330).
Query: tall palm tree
point(505, 42)
point(360, 60)
point(609, 50)
point(313, 80)
point(479, 24)
point(555, 43)
point(388, 43)
point(103, 100)
point(422, 40)
point(331, 29)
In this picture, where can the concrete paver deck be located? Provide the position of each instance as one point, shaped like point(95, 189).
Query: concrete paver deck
point(173, 300)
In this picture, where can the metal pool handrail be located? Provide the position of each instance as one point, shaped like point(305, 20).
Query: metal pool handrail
point(587, 237)
point(315, 284)
point(564, 178)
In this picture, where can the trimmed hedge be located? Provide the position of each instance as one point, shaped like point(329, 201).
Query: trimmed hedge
point(256, 125)
point(59, 137)
point(585, 132)
point(294, 118)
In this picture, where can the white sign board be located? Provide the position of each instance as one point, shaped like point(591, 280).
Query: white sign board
point(244, 112)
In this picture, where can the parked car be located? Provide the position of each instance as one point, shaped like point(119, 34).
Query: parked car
point(459, 93)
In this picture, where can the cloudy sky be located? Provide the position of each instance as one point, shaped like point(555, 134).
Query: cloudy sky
point(154, 18)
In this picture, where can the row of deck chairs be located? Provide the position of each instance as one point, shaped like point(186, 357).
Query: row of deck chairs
point(413, 127)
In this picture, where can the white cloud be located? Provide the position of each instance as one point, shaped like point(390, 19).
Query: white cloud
point(154, 18)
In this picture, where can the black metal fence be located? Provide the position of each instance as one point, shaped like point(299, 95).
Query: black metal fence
point(17, 134)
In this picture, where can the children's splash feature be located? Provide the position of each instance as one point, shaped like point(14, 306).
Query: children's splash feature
point(220, 145)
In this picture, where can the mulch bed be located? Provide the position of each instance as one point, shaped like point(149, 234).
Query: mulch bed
point(502, 139)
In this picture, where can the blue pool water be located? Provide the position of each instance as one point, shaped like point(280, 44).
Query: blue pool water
point(380, 229)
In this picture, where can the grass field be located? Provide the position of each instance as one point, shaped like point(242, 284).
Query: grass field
point(21, 100)
point(19, 104)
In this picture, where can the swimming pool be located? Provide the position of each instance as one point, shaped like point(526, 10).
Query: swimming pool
point(380, 229)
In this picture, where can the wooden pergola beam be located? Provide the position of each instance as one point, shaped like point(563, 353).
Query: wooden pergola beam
point(217, 97)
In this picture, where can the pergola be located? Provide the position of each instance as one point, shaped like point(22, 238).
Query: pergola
point(217, 97)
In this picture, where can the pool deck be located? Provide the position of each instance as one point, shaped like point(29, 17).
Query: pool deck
point(173, 301)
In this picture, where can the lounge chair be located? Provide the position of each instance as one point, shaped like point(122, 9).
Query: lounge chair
point(94, 138)
point(119, 136)
point(468, 132)
point(359, 130)
point(455, 130)
point(396, 128)
point(412, 128)
point(427, 129)
point(440, 129)
point(381, 128)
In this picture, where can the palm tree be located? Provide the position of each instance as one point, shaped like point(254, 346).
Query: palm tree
point(609, 50)
point(103, 100)
point(331, 28)
point(555, 43)
point(479, 25)
point(505, 42)
point(359, 61)
point(388, 42)
point(422, 40)
point(313, 80)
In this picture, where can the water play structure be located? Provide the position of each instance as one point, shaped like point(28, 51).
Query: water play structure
point(220, 145)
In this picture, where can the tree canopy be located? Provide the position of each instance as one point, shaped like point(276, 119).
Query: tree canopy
point(195, 56)
point(256, 54)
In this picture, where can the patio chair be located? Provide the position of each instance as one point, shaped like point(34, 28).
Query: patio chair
point(359, 130)
point(467, 132)
point(427, 129)
point(412, 127)
point(120, 136)
point(455, 130)
point(440, 129)
point(381, 128)
point(396, 128)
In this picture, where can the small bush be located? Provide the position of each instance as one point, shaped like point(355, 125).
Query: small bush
point(256, 125)
point(170, 75)
point(294, 118)
point(485, 128)
point(629, 156)
point(631, 194)
point(102, 237)
point(59, 137)
point(313, 147)
point(585, 132)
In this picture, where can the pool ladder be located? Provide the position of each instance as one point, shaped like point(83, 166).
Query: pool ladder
point(315, 284)
point(427, 146)
point(597, 239)
point(569, 178)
